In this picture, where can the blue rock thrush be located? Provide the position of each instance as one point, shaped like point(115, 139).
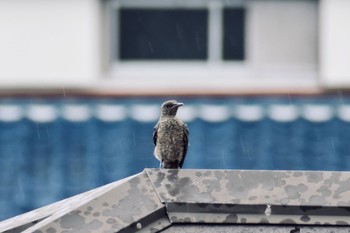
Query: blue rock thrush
point(170, 137)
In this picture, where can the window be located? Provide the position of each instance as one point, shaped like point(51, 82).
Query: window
point(163, 34)
point(233, 33)
point(199, 32)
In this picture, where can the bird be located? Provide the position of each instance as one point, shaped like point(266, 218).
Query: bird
point(170, 137)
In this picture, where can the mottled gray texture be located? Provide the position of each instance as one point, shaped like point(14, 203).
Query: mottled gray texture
point(252, 187)
point(238, 196)
point(158, 198)
point(131, 206)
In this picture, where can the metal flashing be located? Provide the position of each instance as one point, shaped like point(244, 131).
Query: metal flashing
point(257, 197)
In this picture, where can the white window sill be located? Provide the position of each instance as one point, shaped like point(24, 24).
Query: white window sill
point(201, 77)
point(188, 78)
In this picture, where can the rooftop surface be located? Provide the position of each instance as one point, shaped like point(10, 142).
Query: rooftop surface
point(204, 200)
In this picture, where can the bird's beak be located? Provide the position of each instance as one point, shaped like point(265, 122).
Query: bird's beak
point(177, 105)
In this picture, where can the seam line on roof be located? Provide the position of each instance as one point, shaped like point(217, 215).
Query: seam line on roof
point(160, 200)
point(154, 187)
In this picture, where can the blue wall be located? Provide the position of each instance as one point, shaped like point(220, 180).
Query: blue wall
point(52, 149)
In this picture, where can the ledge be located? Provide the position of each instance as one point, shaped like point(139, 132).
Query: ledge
point(157, 198)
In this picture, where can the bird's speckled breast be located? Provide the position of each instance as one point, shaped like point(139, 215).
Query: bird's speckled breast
point(170, 142)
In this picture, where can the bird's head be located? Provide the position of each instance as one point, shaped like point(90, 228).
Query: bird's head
point(169, 108)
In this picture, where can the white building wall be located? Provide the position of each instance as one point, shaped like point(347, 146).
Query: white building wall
point(55, 43)
point(335, 43)
point(49, 42)
point(283, 34)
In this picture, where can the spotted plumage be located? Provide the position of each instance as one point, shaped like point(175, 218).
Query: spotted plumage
point(170, 137)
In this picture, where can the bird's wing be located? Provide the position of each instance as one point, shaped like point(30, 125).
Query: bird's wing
point(155, 134)
point(185, 140)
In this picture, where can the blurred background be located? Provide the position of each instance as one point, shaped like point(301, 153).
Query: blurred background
point(264, 84)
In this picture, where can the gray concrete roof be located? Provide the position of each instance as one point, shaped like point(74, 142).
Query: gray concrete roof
point(156, 199)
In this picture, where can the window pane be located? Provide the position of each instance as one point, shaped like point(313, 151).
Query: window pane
point(233, 46)
point(163, 34)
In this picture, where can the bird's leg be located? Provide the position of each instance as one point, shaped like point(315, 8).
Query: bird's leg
point(161, 164)
point(170, 165)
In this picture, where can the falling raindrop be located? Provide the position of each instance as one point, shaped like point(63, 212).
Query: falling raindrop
point(290, 99)
point(178, 31)
point(197, 41)
point(150, 46)
point(37, 130)
point(223, 157)
point(20, 188)
point(134, 138)
point(333, 144)
point(341, 98)
point(47, 132)
point(243, 147)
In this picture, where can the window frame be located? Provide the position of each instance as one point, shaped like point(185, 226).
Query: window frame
point(215, 17)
